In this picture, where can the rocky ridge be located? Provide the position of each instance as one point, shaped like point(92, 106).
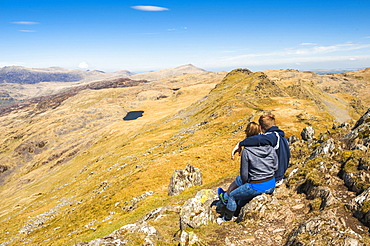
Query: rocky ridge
point(307, 210)
point(75, 172)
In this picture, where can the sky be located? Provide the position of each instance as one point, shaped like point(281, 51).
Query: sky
point(216, 35)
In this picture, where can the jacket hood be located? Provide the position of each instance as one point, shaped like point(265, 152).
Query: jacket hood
point(260, 151)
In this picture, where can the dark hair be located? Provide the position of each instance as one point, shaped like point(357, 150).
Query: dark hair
point(266, 121)
point(252, 129)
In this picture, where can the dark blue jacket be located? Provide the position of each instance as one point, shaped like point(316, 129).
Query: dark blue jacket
point(270, 138)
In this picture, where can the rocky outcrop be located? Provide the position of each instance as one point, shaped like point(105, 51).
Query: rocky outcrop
point(325, 149)
point(182, 179)
point(360, 206)
point(355, 171)
point(197, 211)
point(359, 137)
point(324, 229)
point(308, 133)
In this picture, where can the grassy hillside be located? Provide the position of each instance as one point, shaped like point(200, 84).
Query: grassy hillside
point(78, 171)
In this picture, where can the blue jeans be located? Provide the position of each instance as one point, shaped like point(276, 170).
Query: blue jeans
point(242, 194)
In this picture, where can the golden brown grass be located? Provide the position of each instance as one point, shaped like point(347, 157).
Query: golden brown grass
point(119, 160)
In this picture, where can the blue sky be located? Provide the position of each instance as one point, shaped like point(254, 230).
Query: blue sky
point(214, 35)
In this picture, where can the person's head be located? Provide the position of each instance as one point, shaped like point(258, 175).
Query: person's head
point(252, 129)
point(266, 121)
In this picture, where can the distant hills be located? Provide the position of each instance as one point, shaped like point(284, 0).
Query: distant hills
point(335, 71)
point(18, 83)
point(22, 75)
point(177, 71)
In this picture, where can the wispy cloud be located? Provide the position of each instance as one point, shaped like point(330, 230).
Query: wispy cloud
point(25, 22)
point(304, 52)
point(328, 49)
point(27, 30)
point(149, 8)
point(330, 53)
point(175, 29)
point(308, 44)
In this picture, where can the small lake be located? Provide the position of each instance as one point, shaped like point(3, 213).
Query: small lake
point(133, 115)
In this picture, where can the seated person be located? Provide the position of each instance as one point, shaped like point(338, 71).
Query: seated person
point(258, 165)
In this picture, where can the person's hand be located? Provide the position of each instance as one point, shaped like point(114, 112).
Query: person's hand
point(237, 149)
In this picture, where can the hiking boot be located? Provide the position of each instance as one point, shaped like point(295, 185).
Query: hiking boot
point(220, 207)
point(221, 195)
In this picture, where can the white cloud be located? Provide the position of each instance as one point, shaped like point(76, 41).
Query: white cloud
point(308, 44)
point(177, 29)
point(25, 22)
point(83, 65)
point(303, 52)
point(27, 30)
point(298, 56)
point(149, 8)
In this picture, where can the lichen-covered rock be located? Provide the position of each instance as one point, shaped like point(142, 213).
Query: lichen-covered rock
point(326, 149)
point(355, 170)
point(257, 207)
point(360, 206)
point(365, 119)
point(142, 227)
point(324, 229)
point(322, 192)
point(360, 134)
point(182, 179)
point(292, 139)
point(189, 238)
point(308, 133)
point(197, 211)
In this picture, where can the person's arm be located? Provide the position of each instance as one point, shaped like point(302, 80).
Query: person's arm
point(256, 140)
point(237, 149)
point(260, 140)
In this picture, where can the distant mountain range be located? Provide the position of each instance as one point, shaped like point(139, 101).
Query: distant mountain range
point(22, 75)
point(18, 83)
point(335, 71)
